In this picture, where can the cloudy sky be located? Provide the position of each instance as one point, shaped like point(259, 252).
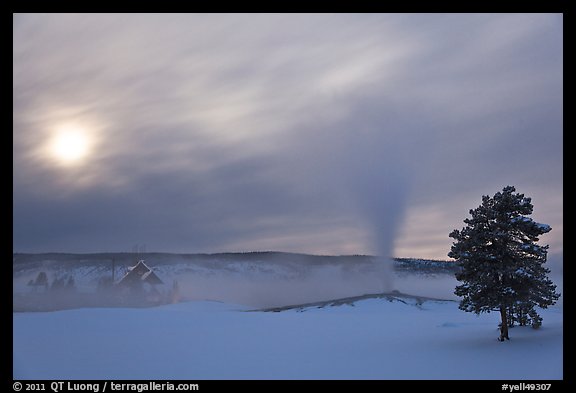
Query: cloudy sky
point(326, 134)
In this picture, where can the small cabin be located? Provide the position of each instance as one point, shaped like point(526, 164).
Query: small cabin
point(140, 277)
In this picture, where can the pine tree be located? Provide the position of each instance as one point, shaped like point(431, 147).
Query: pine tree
point(501, 264)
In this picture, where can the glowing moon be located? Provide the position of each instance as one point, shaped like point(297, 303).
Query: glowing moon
point(70, 145)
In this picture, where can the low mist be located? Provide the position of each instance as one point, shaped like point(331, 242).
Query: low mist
point(324, 283)
point(257, 280)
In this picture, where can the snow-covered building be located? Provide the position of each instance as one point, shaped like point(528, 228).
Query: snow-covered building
point(139, 275)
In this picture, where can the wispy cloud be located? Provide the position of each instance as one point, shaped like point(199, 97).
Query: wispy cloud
point(319, 133)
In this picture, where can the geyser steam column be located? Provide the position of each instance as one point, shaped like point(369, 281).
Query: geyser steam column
point(380, 169)
point(383, 211)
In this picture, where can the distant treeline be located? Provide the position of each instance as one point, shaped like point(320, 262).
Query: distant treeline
point(425, 266)
point(61, 256)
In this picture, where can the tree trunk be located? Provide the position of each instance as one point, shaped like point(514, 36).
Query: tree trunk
point(510, 317)
point(503, 325)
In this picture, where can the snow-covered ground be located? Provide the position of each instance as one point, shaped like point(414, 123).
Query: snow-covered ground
point(374, 339)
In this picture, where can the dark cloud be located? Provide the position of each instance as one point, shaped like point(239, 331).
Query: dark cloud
point(314, 133)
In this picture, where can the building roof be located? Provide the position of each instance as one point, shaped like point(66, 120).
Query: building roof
point(140, 273)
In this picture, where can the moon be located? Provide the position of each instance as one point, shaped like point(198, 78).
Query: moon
point(70, 145)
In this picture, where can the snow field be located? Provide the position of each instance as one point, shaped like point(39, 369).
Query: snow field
point(374, 339)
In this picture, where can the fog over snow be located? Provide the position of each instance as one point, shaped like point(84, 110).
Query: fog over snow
point(218, 326)
point(316, 133)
